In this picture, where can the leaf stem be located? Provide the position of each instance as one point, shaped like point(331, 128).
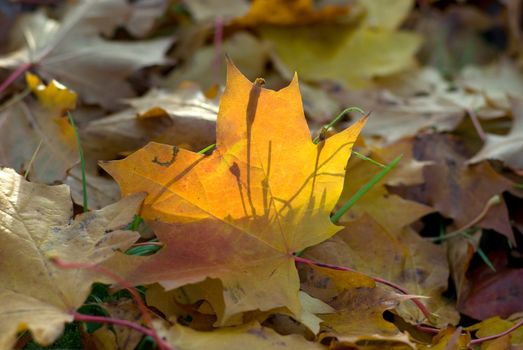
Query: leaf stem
point(326, 128)
point(82, 162)
point(495, 336)
point(393, 285)
point(364, 189)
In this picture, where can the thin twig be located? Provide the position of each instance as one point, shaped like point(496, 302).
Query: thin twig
point(393, 285)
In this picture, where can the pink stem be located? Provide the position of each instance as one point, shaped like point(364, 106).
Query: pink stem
point(14, 75)
point(427, 329)
point(218, 39)
point(416, 301)
point(136, 297)
point(495, 336)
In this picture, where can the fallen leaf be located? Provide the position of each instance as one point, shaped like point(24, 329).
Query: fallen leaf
point(207, 10)
point(400, 257)
point(496, 82)
point(450, 338)
point(458, 191)
point(289, 13)
point(406, 103)
point(389, 210)
point(263, 194)
point(496, 325)
point(506, 148)
point(248, 52)
point(74, 53)
point(35, 294)
point(492, 293)
point(252, 335)
point(39, 131)
point(101, 191)
point(144, 14)
point(125, 309)
point(322, 52)
point(182, 117)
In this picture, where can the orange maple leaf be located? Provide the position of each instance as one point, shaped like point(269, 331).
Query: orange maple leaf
point(240, 213)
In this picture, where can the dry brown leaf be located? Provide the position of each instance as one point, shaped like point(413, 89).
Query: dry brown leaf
point(496, 82)
point(389, 210)
point(248, 53)
point(507, 148)
point(38, 133)
point(406, 103)
point(458, 191)
point(401, 257)
point(182, 117)
point(74, 53)
point(35, 294)
point(252, 335)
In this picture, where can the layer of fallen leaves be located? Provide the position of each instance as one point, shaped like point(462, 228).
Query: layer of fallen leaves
point(234, 247)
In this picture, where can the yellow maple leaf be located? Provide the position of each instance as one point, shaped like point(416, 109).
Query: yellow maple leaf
point(239, 214)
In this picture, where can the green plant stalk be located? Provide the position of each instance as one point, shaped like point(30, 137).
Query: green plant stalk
point(326, 128)
point(82, 162)
point(364, 189)
point(207, 149)
point(143, 250)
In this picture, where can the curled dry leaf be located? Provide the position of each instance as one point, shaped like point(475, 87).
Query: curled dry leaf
point(38, 133)
point(265, 193)
point(35, 294)
point(507, 148)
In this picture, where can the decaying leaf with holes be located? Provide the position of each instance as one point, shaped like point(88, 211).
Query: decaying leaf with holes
point(35, 294)
point(240, 213)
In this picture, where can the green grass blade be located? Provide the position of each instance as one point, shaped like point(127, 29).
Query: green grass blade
point(207, 149)
point(326, 128)
point(364, 157)
point(364, 189)
point(82, 162)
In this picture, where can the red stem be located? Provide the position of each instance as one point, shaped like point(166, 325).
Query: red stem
point(136, 297)
point(495, 336)
point(14, 75)
point(416, 301)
